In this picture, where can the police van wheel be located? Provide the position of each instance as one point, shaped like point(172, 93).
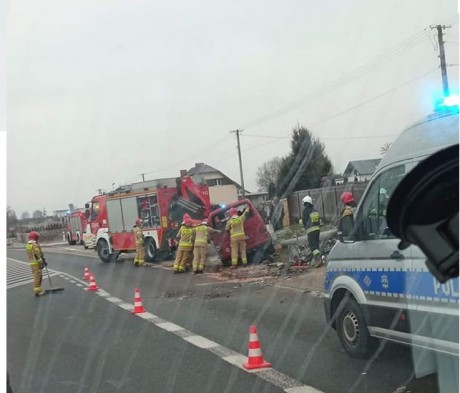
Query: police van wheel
point(352, 330)
point(150, 250)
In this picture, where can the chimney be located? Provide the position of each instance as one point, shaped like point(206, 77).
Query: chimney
point(183, 172)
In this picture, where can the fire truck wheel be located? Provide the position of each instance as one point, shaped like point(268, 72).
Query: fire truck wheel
point(150, 250)
point(103, 251)
point(70, 241)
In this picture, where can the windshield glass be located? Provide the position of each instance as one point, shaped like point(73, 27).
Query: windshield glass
point(239, 159)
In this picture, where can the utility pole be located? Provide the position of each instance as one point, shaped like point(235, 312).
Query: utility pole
point(237, 132)
point(442, 57)
point(143, 178)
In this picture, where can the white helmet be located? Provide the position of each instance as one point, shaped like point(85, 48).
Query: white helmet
point(307, 199)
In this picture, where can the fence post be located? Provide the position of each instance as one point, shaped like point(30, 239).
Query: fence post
point(322, 203)
point(300, 207)
point(336, 205)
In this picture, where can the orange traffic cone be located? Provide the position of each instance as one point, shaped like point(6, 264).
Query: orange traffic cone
point(87, 274)
point(138, 307)
point(255, 358)
point(92, 284)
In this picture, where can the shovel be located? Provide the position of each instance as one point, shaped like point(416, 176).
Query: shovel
point(51, 290)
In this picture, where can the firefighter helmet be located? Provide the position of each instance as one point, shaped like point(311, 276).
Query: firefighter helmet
point(347, 197)
point(307, 199)
point(233, 212)
point(33, 235)
point(188, 221)
point(204, 222)
point(138, 221)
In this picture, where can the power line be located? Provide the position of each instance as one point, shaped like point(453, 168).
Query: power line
point(191, 157)
point(364, 69)
point(371, 65)
point(326, 138)
point(374, 98)
point(351, 109)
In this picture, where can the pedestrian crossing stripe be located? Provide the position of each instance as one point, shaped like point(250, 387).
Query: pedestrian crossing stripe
point(18, 274)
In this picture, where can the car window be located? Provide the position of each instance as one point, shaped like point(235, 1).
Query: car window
point(371, 220)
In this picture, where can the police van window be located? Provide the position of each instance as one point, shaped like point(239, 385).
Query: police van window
point(372, 218)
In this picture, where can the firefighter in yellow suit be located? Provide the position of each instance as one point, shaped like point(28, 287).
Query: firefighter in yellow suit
point(140, 250)
point(235, 226)
point(186, 237)
point(36, 261)
point(200, 250)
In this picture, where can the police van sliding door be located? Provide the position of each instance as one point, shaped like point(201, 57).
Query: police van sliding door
point(382, 269)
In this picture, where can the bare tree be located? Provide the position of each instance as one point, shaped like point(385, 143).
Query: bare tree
point(268, 173)
point(11, 217)
point(25, 215)
point(37, 214)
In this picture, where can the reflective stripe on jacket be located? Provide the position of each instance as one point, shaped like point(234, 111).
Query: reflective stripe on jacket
point(185, 237)
point(34, 253)
point(313, 223)
point(201, 236)
point(236, 226)
point(139, 236)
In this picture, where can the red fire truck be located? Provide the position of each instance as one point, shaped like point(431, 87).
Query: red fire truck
point(111, 218)
point(76, 224)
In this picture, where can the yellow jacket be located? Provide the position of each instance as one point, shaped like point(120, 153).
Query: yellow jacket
point(34, 253)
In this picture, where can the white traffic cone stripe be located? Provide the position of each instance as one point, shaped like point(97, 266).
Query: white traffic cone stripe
point(255, 352)
point(253, 337)
point(137, 304)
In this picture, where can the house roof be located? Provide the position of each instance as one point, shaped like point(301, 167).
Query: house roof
point(201, 168)
point(362, 167)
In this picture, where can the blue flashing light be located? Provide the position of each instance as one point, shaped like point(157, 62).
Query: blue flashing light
point(452, 100)
point(223, 206)
point(447, 104)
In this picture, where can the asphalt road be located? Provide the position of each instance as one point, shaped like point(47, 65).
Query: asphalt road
point(195, 338)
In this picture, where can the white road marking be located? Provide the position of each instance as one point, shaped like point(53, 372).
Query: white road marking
point(147, 315)
point(235, 359)
point(201, 342)
point(169, 326)
point(302, 389)
point(113, 299)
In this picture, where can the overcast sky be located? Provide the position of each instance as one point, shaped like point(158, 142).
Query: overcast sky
point(102, 91)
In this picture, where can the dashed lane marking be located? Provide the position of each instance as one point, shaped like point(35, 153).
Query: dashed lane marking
point(275, 377)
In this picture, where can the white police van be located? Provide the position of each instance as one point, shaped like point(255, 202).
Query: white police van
point(373, 290)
